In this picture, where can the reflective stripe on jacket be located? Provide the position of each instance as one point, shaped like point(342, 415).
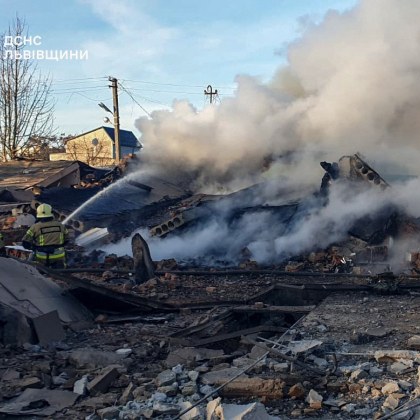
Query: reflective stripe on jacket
point(46, 234)
point(57, 254)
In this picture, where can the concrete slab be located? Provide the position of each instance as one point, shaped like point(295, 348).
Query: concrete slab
point(48, 328)
point(41, 402)
point(25, 290)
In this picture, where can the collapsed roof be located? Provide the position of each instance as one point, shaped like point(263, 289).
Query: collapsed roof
point(269, 222)
point(263, 221)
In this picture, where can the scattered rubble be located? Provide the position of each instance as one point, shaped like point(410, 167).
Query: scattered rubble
point(323, 335)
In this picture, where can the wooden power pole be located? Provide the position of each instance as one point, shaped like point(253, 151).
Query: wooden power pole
point(117, 143)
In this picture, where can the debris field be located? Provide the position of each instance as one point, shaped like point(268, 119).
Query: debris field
point(332, 332)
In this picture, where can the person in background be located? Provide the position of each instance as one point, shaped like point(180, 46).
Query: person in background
point(47, 238)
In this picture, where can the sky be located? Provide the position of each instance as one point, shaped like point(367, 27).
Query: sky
point(161, 51)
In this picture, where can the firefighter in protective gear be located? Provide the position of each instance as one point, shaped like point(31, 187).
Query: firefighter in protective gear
point(47, 238)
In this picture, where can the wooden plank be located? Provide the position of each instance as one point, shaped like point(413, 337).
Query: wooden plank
point(141, 303)
point(275, 309)
point(239, 333)
point(193, 329)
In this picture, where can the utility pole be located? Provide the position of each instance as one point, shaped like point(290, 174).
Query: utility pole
point(210, 92)
point(117, 144)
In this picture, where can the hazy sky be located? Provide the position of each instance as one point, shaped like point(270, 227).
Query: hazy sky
point(160, 50)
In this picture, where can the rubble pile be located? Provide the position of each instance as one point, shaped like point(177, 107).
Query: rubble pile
point(139, 369)
point(328, 333)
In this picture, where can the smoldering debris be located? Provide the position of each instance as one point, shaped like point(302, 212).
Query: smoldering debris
point(276, 223)
point(267, 224)
point(214, 325)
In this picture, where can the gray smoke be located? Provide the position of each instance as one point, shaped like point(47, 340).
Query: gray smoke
point(315, 226)
point(352, 84)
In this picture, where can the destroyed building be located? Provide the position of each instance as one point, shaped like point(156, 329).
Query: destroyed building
point(327, 329)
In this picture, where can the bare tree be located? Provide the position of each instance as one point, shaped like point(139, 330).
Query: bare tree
point(26, 107)
point(39, 147)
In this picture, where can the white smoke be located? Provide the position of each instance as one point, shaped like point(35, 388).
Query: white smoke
point(314, 226)
point(352, 84)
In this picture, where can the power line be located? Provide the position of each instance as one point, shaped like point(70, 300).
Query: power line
point(173, 84)
point(165, 91)
point(154, 101)
point(100, 78)
point(82, 86)
point(132, 97)
point(87, 97)
point(73, 90)
point(79, 80)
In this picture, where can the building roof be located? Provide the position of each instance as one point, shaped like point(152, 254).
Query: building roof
point(126, 196)
point(21, 174)
point(127, 138)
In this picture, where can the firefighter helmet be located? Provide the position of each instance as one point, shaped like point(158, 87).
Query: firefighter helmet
point(43, 210)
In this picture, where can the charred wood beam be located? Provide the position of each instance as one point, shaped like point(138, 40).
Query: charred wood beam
point(308, 274)
point(258, 297)
point(144, 319)
point(236, 334)
point(90, 270)
point(143, 304)
point(224, 273)
point(333, 286)
point(264, 272)
point(207, 323)
point(275, 309)
point(324, 287)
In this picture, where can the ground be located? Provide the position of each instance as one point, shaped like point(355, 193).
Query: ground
point(219, 310)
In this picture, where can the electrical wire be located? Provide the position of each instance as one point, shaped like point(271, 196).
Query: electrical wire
point(166, 91)
point(153, 101)
point(100, 78)
point(79, 80)
point(176, 85)
point(132, 97)
point(78, 86)
point(72, 90)
point(87, 97)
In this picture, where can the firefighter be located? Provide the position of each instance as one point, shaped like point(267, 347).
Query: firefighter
point(47, 238)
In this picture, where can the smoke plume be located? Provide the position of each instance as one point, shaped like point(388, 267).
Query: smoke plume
point(352, 84)
point(312, 224)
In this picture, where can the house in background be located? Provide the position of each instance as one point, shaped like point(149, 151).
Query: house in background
point(97, 147)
